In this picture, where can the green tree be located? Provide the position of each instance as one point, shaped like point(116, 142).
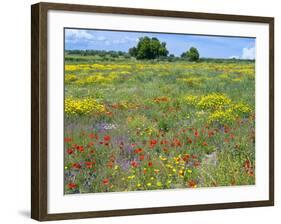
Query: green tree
point(192, 54)
point(149, 48)
point(133, 51)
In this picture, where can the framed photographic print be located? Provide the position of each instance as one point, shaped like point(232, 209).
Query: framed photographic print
point(139, 111)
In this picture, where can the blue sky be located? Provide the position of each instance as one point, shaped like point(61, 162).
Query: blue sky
point(208, 46)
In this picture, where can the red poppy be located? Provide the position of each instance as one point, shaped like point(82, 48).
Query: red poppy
point(226, 131)
point(210, 133)
point(176, 142)
point(89, 164)
point(67, 140)
point(106, 138)
point(153, 142)
point(92, 135)
point(247, 164)
point(196, 134)
point(71, 186)
point(164, 142)
point(194, 157)
point(205, 143)
point(115, 106)
point(76, 165)
point(110, 164)
point(134, 164)
point(138, 151)
point(80, 148)
point(232, 136)
point(70, 151)
point(91, 144)
point(189, 140)
point(150, 164)
point(186, 157)
point(251, 173)
point(191, 183)
point(141, 157)
point(105, 181)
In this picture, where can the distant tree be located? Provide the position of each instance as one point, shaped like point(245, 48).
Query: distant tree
point(183, 55)
point(191, 55)
point(171, 57)
point(100, 53)
point(145, 49)
point(149, 48)
point(133, 51)
point(162, 51)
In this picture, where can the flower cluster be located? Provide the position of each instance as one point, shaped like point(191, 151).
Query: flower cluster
point(82, 106)
point(69, 78)
point(214, 101)
point(218, 107)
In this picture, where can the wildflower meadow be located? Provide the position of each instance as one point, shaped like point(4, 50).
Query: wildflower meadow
point(134, 125)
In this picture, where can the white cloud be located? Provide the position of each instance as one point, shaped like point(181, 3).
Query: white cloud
point(78, 34)
point(248, 53)
point(75, 36)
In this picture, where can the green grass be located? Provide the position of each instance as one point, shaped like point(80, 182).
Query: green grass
point(158, 139)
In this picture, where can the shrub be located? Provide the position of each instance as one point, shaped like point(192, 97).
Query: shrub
point(241, 109)
point(82, 106)
point(214, 101)
point(222, 116)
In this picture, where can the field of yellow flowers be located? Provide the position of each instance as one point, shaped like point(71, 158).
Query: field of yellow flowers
point(143, 125)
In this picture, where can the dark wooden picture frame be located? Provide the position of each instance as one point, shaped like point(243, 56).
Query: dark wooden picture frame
point(39, 149)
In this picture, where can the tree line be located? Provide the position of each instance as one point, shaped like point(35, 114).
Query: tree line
point(146, 49)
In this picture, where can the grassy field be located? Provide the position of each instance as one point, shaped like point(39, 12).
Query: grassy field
point(143, 125)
